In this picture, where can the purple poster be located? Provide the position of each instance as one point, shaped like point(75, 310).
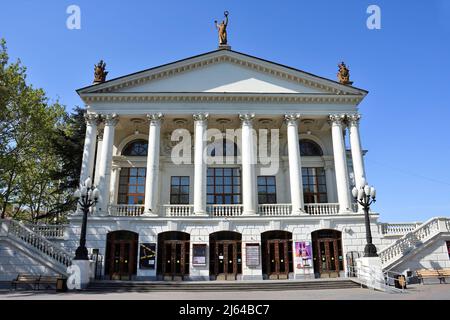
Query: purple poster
point(303, 255)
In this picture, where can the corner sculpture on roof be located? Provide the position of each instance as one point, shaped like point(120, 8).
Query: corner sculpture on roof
point(344, 74)
point(99, 72)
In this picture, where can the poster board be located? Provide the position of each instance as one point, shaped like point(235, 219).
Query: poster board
point(252, 254)
point(303, 255)
point(147, 255)
point(199, 254)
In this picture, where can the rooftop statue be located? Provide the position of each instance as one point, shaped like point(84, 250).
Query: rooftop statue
point(100, 72)
point(344, 74)
point(222, 28)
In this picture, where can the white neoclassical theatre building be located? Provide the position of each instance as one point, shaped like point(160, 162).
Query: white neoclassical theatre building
point(224, 166)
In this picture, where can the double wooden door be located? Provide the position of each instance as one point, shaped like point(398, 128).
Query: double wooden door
point(278, 258)
point(122, 261)
point(328, 261)
point(227, 259)
point(175, 259)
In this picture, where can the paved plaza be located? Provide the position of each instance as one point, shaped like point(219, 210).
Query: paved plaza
point(414, 292)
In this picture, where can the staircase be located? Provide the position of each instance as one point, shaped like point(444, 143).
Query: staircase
point(266, 285)
point(48, 253)
point(411, 242)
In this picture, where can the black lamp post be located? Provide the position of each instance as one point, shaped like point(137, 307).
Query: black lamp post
point(87, 197)
point(365, 196)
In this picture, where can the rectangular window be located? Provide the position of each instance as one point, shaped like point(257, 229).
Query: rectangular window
point(224, 186)
point(179, 190)
point(132, 186)
point(314, 185)
point(448, 248)
point(267, 191)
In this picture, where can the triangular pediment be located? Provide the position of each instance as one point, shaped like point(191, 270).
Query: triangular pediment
point(222, 71)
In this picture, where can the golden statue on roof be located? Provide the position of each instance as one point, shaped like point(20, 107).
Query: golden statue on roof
point(222, 28)
point(99, 72)
point(344, 74)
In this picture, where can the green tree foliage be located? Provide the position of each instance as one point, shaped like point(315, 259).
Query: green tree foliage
point(36, 171)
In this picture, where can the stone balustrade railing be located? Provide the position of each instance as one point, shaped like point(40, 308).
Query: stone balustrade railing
point(398, 228)
point(275, 209)
point(224, 210)
point(322, 208)
point(126, 210)
point(412, 240)
point(21, 232)
point(48, 231)
point(178, 210)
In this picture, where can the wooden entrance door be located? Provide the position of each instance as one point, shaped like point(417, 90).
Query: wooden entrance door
point(278, 258)
point(327, 258)
point(121, 255)
point(175, 259)
point(227, 258)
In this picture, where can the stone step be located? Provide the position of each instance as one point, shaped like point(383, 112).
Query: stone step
point(119, 286)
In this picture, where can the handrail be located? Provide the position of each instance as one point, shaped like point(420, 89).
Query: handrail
point(19, 231)
point(409, 241)
point(48, 231)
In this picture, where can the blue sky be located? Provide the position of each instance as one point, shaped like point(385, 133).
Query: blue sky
point(405, 66)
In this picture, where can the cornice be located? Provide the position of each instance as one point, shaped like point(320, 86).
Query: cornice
point(208, 97)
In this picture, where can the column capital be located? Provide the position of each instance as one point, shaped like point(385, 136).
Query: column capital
point(155, 118)
point(353, 119)
point(291, 118)
point(202, 117)
point(111, 119)
point(337, 119)
point(91, 118)
point(246, 118)
point(100, 132)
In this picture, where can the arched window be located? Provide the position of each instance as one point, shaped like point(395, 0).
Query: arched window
point(309, 148)
point(136, 148)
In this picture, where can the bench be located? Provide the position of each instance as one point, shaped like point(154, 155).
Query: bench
point(30, 279)
point(47, 280)
point(444, 274)
point(428, 274)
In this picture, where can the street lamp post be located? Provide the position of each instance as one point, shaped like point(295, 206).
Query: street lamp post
point(87, 196)
point(365, 196)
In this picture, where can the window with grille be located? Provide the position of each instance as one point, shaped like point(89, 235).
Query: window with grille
point(267, 190)
point(132, 186)
point(224, 186)
point(179, 190)
point(314, 185)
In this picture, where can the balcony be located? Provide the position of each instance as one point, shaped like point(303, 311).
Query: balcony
point(126, 210)
point(225, 210)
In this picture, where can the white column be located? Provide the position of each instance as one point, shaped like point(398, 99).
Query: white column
point(152, 175)
point(248, 157)
point(111, 121)
point(200, 127)
point(357, 154)
point(87, 164)
point(340, 163)
point(98, 160)
point(295, 164)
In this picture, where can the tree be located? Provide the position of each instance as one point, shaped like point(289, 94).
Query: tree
point(28, 125)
